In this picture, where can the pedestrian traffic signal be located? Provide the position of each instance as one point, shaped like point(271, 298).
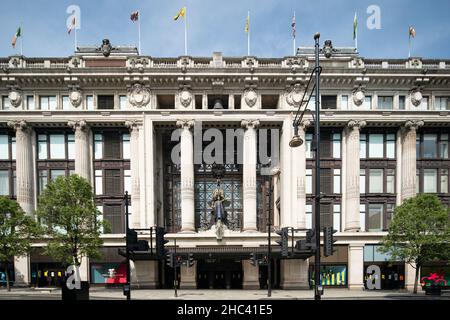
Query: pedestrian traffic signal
point(190, 260)
point(170, 259)
point(283, 242)
point(253, 259)
point(328, 241)
point(160, 242)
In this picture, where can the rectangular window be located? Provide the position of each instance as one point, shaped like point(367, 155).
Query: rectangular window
point(367, 104)
point(13, 148)
point(127, 181)
point(362, 215)
point(111, 148)
point(89, 102)
point(30, 103)
point(308, 209)
point(336, 145)
point(98, 182)
point(389, 214)
point(308, 181)
point(4, 147)
point(375, 217)
point(329, 102)
point(337, 217)
point(325, 215)
point(362, 181)
point(444, 181)
point(98, 146)
point(424, 104)
point(312, 103)
point(112, 182)
point(390, 180)
point(47, 102)
point(6, 104)
point(126, 145)
point(105, 102)
point(113, 214)
point(309, 138)
point(4, 183)
point(401, 103)
point(390, 146)
point(443, 146)
point(442, 103)
point(337, 181)
point(14, 184)
point(42, 147)
point(57, 173)
point(122, 102)
point(362, 146)
point(376, 180)
point(71, 146)
point(385, 102)
point(65, 102)
point(429, 145)
point(430, 180)
point(43, 179)
point(376, 146)
point(344, 102)
point(326, 180)
point(417, 181)
point(57, 146)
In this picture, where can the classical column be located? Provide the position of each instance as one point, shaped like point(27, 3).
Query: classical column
point(356, 266)
point(250, 279)
point(352, 219)
point(82, 154)
point(134, 126)
point(188, 277)
point(187, 176)
point(249, 174)
point(298, 174)
point(24, 165)
point(408, 166)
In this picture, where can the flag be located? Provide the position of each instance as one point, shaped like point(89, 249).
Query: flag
point(412, 32)
point(72, 25)
point(247, 24)
point(293, 26)
point(181, 13)
point(134, 16)
point(355, 27)
point(17, 35)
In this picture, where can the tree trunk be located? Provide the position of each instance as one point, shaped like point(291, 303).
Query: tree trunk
point(8, 288)
point(416, 279)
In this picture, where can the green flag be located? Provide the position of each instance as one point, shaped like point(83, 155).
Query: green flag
point(355, 27)
point(17, 35)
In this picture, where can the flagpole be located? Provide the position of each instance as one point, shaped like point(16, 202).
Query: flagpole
point(75, 38)
point(248, 34)
point(409, 47)
point(21, 39)
point(139, 32)
point(295, 20)
point(185, 33)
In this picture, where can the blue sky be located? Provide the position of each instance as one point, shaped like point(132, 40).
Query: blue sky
point(218, 25)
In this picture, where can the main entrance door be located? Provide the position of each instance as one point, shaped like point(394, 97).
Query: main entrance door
point(219, 274)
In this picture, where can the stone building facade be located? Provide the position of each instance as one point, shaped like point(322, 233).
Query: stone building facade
point(110, 118)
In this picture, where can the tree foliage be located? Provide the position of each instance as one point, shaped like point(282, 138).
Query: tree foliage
point(17, 231)
point(70, 219)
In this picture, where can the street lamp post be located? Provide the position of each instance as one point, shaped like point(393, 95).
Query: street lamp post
point(127, 246)
point(269, 244)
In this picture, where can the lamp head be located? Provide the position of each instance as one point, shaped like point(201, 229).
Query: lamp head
point(296, 141)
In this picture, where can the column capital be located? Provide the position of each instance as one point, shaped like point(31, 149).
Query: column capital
point(413, 124)
point(356, 124)
point(185, 124)
point(78, 124)
point(250, 124)
point(18, 125)
point(132, 125)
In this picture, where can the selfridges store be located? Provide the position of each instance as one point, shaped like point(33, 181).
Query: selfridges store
point(193, 139)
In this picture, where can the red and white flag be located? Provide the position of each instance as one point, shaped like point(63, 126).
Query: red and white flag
point(134, 16)
point(72, 25)
point(294, 26)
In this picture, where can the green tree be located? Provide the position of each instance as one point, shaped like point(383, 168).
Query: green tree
point(419, 232)
point(69, 217)
point(17, 230)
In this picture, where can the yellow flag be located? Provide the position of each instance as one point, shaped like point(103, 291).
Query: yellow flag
point(247, 24)
point(180, 13)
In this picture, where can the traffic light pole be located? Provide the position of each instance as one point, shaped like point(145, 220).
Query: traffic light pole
point(269, 245)
point(127, 247)
point(317, 167)
point(175, 262)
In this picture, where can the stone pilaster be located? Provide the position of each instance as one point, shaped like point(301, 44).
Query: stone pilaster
point(294, 274)
point(352, 197)
point(298, 173)
point(249, 174)
point(250, 280)
point(24, 165)
point(408, 174)
point(144, 274)
point(22, 271)
point(356, 266)
point(134, 127)
point(188, 277)
point(82, 149)
point(187, 176)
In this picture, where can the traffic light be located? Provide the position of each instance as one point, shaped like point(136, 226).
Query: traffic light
point(311, 239)
point(170, 259)
point(160, 242)
point(190, 260)
point(253, 259)
point(264, 261)
point(178, 261)
point(283, 242)
point(132, 239)
point(328, 241)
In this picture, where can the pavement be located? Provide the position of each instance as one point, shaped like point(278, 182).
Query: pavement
point(97, 293)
